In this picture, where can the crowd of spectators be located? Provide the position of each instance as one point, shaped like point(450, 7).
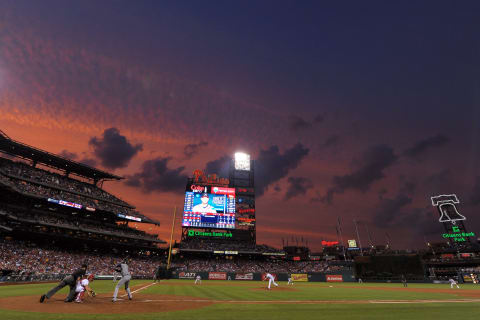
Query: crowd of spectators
point(61, 221)
point(22, 258)
point(244, 265)
point(225, 245)
point(59, 194)
point(46, 184)
point(25, 171)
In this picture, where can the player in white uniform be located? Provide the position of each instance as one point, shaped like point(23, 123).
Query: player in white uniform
point(271, 280)
point(452, 283)
point(290, 281)
point(198, 279)
point(82, 286)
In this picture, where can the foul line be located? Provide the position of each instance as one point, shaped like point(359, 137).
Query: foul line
point(147, 286)
point(314, 301)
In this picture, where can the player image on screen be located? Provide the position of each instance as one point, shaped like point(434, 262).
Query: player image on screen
point(204, 207)
point(209, 207)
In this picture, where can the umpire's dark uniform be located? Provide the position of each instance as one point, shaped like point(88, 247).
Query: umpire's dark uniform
point(161, 272)
point(70, 280)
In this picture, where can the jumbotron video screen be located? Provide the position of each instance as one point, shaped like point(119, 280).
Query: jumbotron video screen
point(209, 207)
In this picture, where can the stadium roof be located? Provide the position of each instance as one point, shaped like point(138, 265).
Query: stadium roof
point(18, 149)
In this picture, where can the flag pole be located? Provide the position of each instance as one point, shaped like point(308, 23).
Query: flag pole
point(171, 237)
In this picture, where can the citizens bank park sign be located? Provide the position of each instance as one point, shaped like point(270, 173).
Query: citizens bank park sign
point(213, 234)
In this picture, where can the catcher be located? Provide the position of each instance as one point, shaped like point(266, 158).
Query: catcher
point(82, 286)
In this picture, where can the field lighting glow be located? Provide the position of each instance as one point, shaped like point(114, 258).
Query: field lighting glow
point(242, 161)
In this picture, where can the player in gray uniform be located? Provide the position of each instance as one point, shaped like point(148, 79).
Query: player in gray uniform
point(122, 268)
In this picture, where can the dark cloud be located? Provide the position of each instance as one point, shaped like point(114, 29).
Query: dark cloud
point(68, 155)
point(382, 193)
point(440, 183)
point(297, 123)
point(375, 161)
point(421, 147)
point(113, 149)
point(192, 149)
point(475, 197)
point(331, 141)
point(319, 118)
point(272, 166)
point(220, 166)
point(408, 187)
point(297, 186)
point(156, 176)
point(388, 210)
point(397, 212)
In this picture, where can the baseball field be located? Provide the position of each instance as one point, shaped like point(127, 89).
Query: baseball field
point(181, 299)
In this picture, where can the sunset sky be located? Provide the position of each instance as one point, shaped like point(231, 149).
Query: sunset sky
point(356, 109)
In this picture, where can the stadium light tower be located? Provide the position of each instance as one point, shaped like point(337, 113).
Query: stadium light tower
point(242, 161)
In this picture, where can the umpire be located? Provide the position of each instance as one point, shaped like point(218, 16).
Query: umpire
point(70, 280)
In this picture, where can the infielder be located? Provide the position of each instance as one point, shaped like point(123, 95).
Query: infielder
point(198, 279)
point(452, 283)
point(71, 281)
point(271, 280)
point(123, 269)
point(290, 281)
point(82, 286)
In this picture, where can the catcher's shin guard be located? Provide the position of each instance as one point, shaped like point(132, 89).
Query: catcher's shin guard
point(80, 296)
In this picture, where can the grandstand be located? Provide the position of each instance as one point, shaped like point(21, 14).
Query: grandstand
point(48, 202)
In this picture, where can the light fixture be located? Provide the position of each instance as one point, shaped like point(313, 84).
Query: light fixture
point(242, 161)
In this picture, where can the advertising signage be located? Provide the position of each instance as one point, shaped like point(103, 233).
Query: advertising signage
point(352, 243)
point(329, 243)
point(451, 218)
point(65, 203)
point(213, 234)
point(129, 217)
point(246, 190)
point(200, 177)
point(299, 277)
point(209, 207)
point(458, 237)
point(247, 210)
point(246, 222)
point(217, 276)
point(334, 278)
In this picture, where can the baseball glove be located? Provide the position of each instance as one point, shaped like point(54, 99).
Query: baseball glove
point(93, 293)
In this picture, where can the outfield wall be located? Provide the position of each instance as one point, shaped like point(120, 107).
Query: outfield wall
point(338, 276)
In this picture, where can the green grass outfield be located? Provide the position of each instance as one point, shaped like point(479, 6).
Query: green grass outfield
point(235, 300)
